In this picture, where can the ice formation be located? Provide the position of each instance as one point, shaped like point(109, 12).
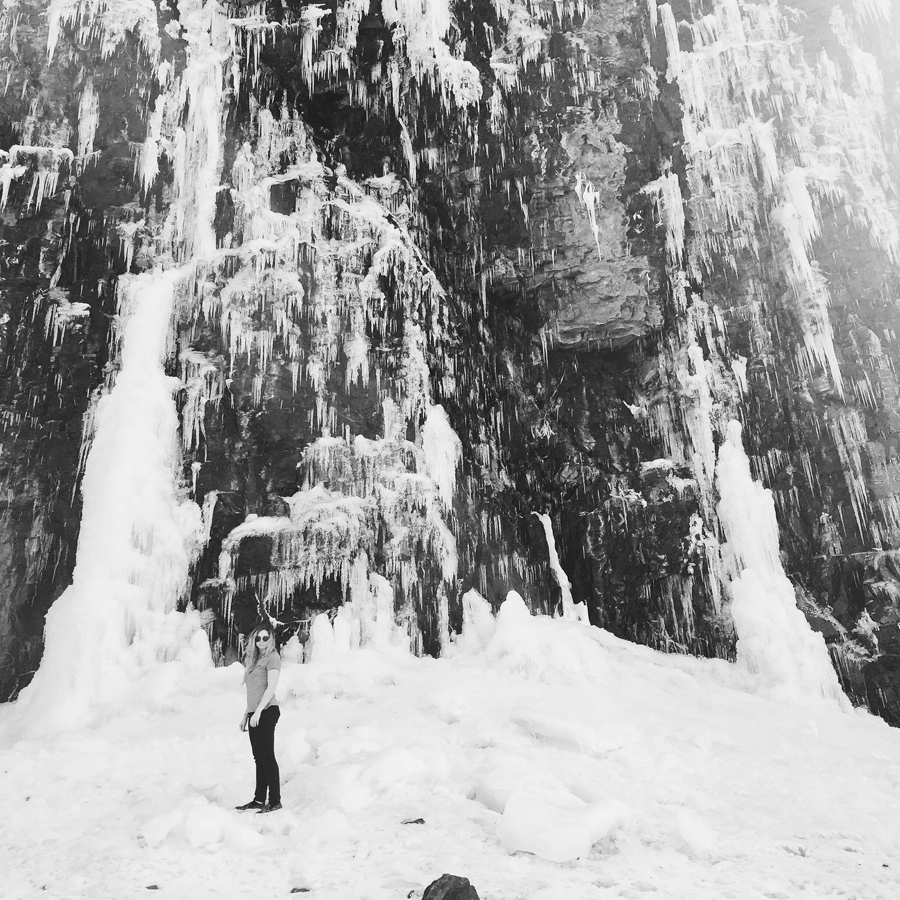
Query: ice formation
point(774, 638)
point(384, 499)
point(758, 137)
point(110, 21)
point(195, 147)
point(88, 116)
point(47, 163)
point(570, 609)
point(353, 241)
point(771, 153)
point(337, 285)
point(139, 532)
point(353, 244)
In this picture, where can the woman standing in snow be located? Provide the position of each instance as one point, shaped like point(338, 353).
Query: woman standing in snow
point(262, 666)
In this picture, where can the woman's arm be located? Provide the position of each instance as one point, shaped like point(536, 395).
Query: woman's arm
point(268, 694)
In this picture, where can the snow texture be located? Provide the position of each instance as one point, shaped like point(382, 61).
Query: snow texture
point(548, 759)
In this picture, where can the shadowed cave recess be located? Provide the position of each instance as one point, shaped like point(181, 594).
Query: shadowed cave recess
point(447, 268)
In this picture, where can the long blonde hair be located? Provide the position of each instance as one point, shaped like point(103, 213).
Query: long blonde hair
point(252, 656)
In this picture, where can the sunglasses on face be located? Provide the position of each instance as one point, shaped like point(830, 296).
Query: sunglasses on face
point(262, 638)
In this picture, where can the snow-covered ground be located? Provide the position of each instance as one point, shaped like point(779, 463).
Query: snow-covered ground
point(660, 776)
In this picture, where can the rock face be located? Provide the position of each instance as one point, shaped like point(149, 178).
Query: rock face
point(442, 272)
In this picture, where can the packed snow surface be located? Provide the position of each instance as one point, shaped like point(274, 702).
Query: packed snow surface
point(546, 757)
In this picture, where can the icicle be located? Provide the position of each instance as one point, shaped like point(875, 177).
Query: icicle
point(698, 410)
point(739, 367)
point(61, 316)
point(590, 197)
point(126, 232)
point(311, 18)
point(654, 15)
point(408, 152)
point(376, 506)
point(570, 609)
point(419, 28)
point(876, 11)
point(766, 155)
point(197, 147)
point(149, 156)
point(113, 20)
point(88, 119)
point(667, 192)
point(443, 453)
point(673, 48)
point(8, 174)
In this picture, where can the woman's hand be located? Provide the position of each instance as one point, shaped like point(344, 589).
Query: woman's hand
point(254, 719)
point(244, 720)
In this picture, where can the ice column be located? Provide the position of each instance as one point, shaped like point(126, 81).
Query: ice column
point(197, 150)
point(571, 610)
point(443, 453)
point(138, 532)
point(774, 638)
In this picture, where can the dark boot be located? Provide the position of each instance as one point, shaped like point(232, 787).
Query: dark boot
point(269, 807)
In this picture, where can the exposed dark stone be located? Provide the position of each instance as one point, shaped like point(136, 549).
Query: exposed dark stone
point(882, 683)
point(450, 887)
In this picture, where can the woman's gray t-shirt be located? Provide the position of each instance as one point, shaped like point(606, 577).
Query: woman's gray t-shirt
point(258, 680)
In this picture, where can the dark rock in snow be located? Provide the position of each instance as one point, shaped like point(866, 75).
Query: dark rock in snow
point(450, 887)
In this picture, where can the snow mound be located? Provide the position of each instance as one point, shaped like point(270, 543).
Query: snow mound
point(200, 824)
point(697, 836)
point(505, 773)
point(523, 645)
point(556, 825)
point(617, 771)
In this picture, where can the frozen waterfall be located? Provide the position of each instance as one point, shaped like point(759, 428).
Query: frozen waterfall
point(139, 532)
point(774, 639)
point(393, 276)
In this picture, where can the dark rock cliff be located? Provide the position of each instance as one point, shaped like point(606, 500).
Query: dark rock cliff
point(592, 232)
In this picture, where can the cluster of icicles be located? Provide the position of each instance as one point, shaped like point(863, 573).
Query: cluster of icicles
point(772, 142)
point(350, 238)
point(387, 496)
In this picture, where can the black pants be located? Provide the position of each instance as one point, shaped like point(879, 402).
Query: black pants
point(262, 741)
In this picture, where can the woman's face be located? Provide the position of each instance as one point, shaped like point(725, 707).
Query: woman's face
point(262, 640)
